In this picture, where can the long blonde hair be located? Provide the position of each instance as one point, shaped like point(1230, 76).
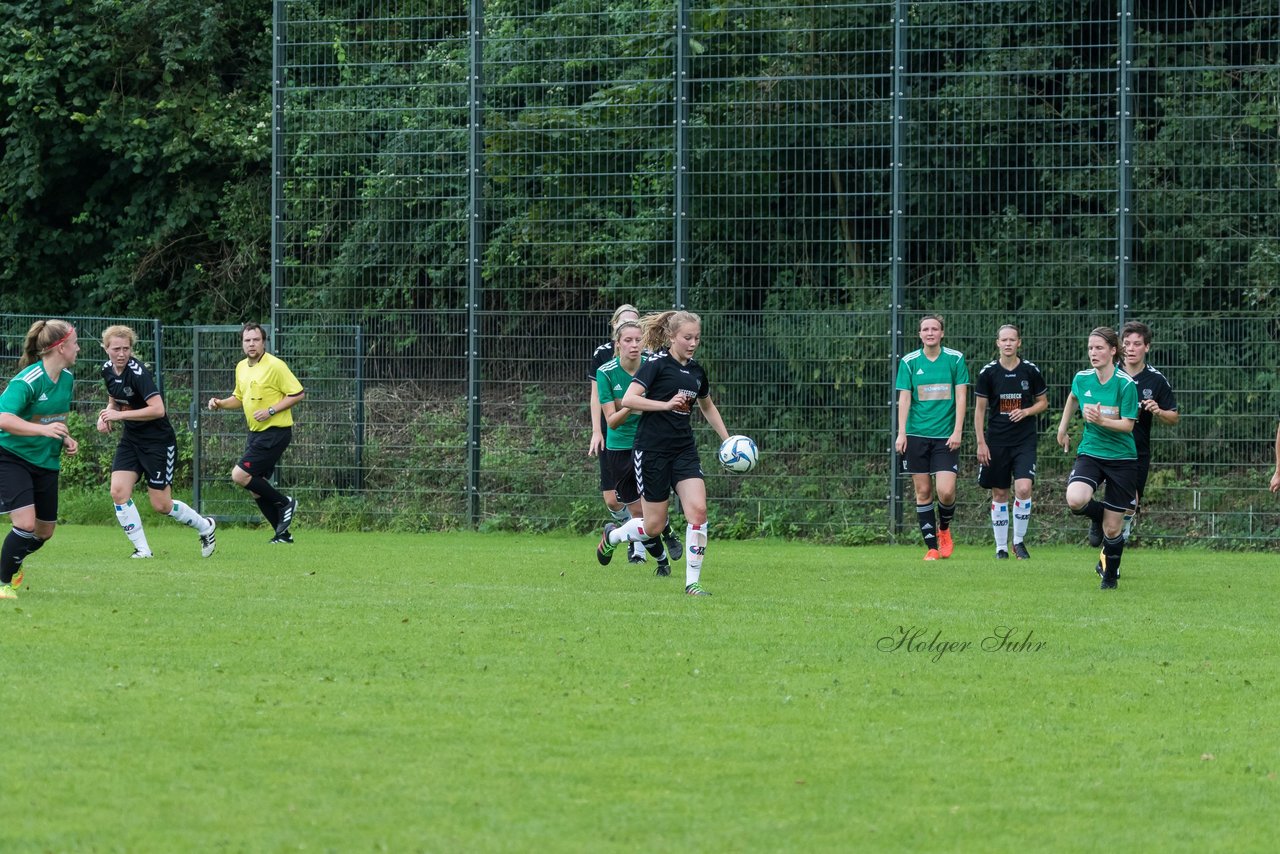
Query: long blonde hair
point(42, 337)
point(621, 310)
point(660, 328)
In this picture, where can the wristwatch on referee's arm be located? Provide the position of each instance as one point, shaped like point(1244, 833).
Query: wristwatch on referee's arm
point(271, 410)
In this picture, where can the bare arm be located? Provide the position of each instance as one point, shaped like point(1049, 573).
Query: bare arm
point(904, 409)
point(597, 438)
point(1275, 478)
point(153, 410)
point(1068, 412)
point(962, 404)
point(232, 402)
point(979, 421)
point(635, 400)
point(712, 414)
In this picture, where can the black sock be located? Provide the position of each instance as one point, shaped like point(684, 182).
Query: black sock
point(946, 512)
point(928, 522)
point(1093, 510)
point(270, 510)
point(1112, 551)
point(654, 547)
point(666, 532)
point(262, 487)
point(17, 545)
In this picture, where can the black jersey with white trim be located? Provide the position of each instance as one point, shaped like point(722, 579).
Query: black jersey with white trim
point(599, 356)
point(131, 389)
point(1152, 385)
point(1005, 390)
point(662, 377)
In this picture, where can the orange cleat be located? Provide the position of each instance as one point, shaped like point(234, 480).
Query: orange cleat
point(932, 554)
point(945, 546)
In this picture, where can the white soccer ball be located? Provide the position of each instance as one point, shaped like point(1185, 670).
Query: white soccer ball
point(738, 454)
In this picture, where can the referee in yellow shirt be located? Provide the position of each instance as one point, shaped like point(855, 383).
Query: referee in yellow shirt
point(266, 390)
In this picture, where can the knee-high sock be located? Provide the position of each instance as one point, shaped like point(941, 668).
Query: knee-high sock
point(189, 517)
point(270, 510)
point(1021, 518)
point(946, 512)
point(17, 545)
point(654, 547)
point(1000, 525)
point(632, 531)
point(261, 486)
point(695, 538)
point(928, 521)
point(131, 521)
point(1112, 551)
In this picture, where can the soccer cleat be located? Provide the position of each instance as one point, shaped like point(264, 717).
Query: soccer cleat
point(1095, 533)
point(635, 554)
point(1001, 554)
point(695, 589)
point(16, 581)
point(209, 541)
point(286, 539)
point(286, 516)
point(139, 554)
point(604, 551)
point(675, 549)
point(945, 546)
point(932, 554)
point(1020, 551)
point(663, 570)
point(8, 591)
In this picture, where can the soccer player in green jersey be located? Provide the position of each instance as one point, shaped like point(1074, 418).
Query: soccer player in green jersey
point(1275, 477)
point(1108, 398)
point(933, 391)
point(33, 437)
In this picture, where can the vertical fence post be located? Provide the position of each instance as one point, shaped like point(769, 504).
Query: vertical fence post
point(897, 80)
point(680, 161)
point(475, 246)
point(1124, 157)
point(277, 160)
point(361, 478)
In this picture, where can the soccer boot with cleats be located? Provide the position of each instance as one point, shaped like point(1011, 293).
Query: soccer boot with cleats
point(287, 512)
point(664, 569)
point(604, 551)
point(285, 539)
point(139, 554)
point(695, 589)
point(16, 581)
point(209, 541)
point(1001, 554)
point(675, 548)
point(945, 546)
point(635, 553)
point(8, 591)
point(932, 554)
point(1020, 551)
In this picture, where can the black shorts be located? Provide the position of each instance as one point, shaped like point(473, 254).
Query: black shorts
point(929, 456)
point(657, 472)
point(23, 485)
point(264, 449)
point(151, 458)
point(621, 475)
point(1008, 463)
point(1121, 477)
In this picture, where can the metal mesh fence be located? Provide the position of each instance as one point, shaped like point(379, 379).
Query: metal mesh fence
point(463, 195)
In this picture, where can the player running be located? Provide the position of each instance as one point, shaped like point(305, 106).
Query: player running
point(933, 389)
point(148, 445)
point(1015, 392)
point(1108, 398)
point(33, 437)
point(666, 455)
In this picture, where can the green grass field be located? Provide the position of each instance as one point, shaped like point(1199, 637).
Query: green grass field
point(493, 692)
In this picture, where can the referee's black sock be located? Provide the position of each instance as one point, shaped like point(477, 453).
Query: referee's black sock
point(16, 547)
point(270, 510)
point(262, 487)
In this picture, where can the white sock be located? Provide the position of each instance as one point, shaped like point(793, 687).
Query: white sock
point(632, 530)
point(1021, 518)
point(189, 517)
point(131, 522)
point(695, 546)
point(1000, 525)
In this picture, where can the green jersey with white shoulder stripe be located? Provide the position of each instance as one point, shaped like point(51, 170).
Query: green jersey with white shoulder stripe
point(933, 384)
point(612, 381)
point(33, 396)
point(1118, 397)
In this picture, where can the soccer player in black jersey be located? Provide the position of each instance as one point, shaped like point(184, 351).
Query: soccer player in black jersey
point(1014, 392)
point(1156, 403)
point(665, 453)
point(148, 446)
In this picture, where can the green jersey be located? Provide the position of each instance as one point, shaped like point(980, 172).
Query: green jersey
point(1119, 399)
point(612, 381)
point(933, 386)
point(33, 396)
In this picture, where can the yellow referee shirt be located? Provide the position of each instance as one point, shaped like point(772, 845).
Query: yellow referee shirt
point(262, 386)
